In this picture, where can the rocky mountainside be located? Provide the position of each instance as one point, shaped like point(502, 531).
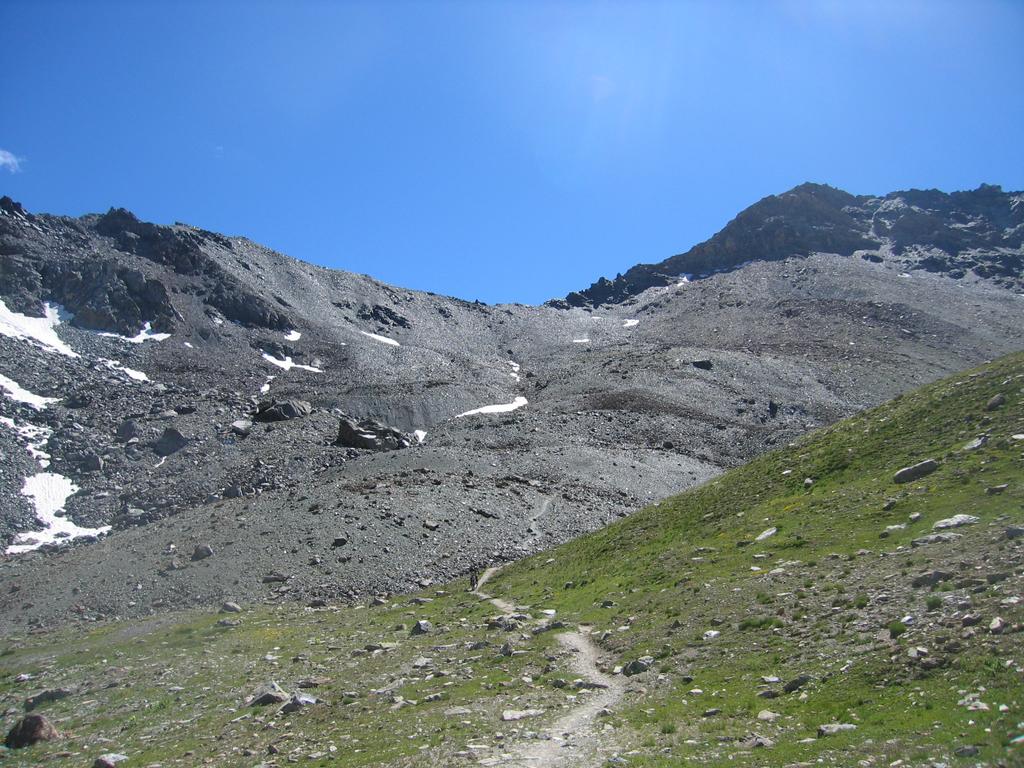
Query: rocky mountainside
point(962, 235)
point(186, 416)
point(853, 598)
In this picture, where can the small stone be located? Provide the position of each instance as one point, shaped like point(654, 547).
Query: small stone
point(1014, 532)
point(996, 626)
point(511, 715)
point(201, 552)
point(171, 441)
point(968, 750)
point(935, 538)
point(268, 693)
point(996, 489)
point(931, 578)
point(956, 521)
point(916, 471)
point(231, 608)
point(976, 443)
point(637, 666)
point(109, 760)
point(768, 716)
point(421, 627)
point(797, 683)
point(299, 701)
point(831, 729)
point(997, 401)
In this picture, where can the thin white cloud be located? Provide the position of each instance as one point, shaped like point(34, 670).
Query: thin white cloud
point(9, 161)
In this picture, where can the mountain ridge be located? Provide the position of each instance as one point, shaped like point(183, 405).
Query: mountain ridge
point(185, 342)
point(820, 218)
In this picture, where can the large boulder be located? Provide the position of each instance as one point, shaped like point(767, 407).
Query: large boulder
point(282, 410)
point(371, 435)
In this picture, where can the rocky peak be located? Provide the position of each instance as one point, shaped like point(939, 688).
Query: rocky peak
point(979, 231)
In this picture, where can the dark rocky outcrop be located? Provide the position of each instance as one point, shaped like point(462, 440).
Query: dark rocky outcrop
point(30, 730)
point(371, 435)
point(282, 410)
point(979, 231)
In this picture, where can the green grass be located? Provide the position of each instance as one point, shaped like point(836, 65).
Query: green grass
point(820, 597)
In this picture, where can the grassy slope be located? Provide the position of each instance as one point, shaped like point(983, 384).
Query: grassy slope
point(826, 590)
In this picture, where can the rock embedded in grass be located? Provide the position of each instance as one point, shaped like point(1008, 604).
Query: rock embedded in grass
point(30, 730)
point(915, 471)
point(268, 693)
point(831, 729)
point(109, 760)
point(956, 521)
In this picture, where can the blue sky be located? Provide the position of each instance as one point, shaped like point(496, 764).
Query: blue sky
point(497, 151)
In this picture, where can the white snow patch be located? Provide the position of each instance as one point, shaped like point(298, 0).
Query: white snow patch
point(49, 493)
point(292, 336)
point(630, 323)
point(519, 402)
point(38, 329)
point(515, 369)
point(287, 364)
point(266, 387)
point(188, 345)
point(383, 339)
point(420, 435)
point(36, 438)
point(20, 395)
point(581, 341)
point(160, 463)
point(131, 373)
point(146, 334)
point(685, 278)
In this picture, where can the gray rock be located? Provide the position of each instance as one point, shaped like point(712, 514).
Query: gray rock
point(831, 729)
point(282, 410)
point(916, 471)
point(797, 683)
point(1014, 531)
point(231, 608)
point(997, 401)
point(979, 442)
point(638, 666)
point(299, 701)
point(371, 435)
point(931, 578)
point(242, 427)
point(935, 538)
point(171, 441)
point(268, 693)
point(511, 715)
point(127, 430)
point(201, 552)
point(109, 760)
point(956, 521)
point(422, 627)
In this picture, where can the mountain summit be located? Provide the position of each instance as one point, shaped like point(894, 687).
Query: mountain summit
point(978, 233)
